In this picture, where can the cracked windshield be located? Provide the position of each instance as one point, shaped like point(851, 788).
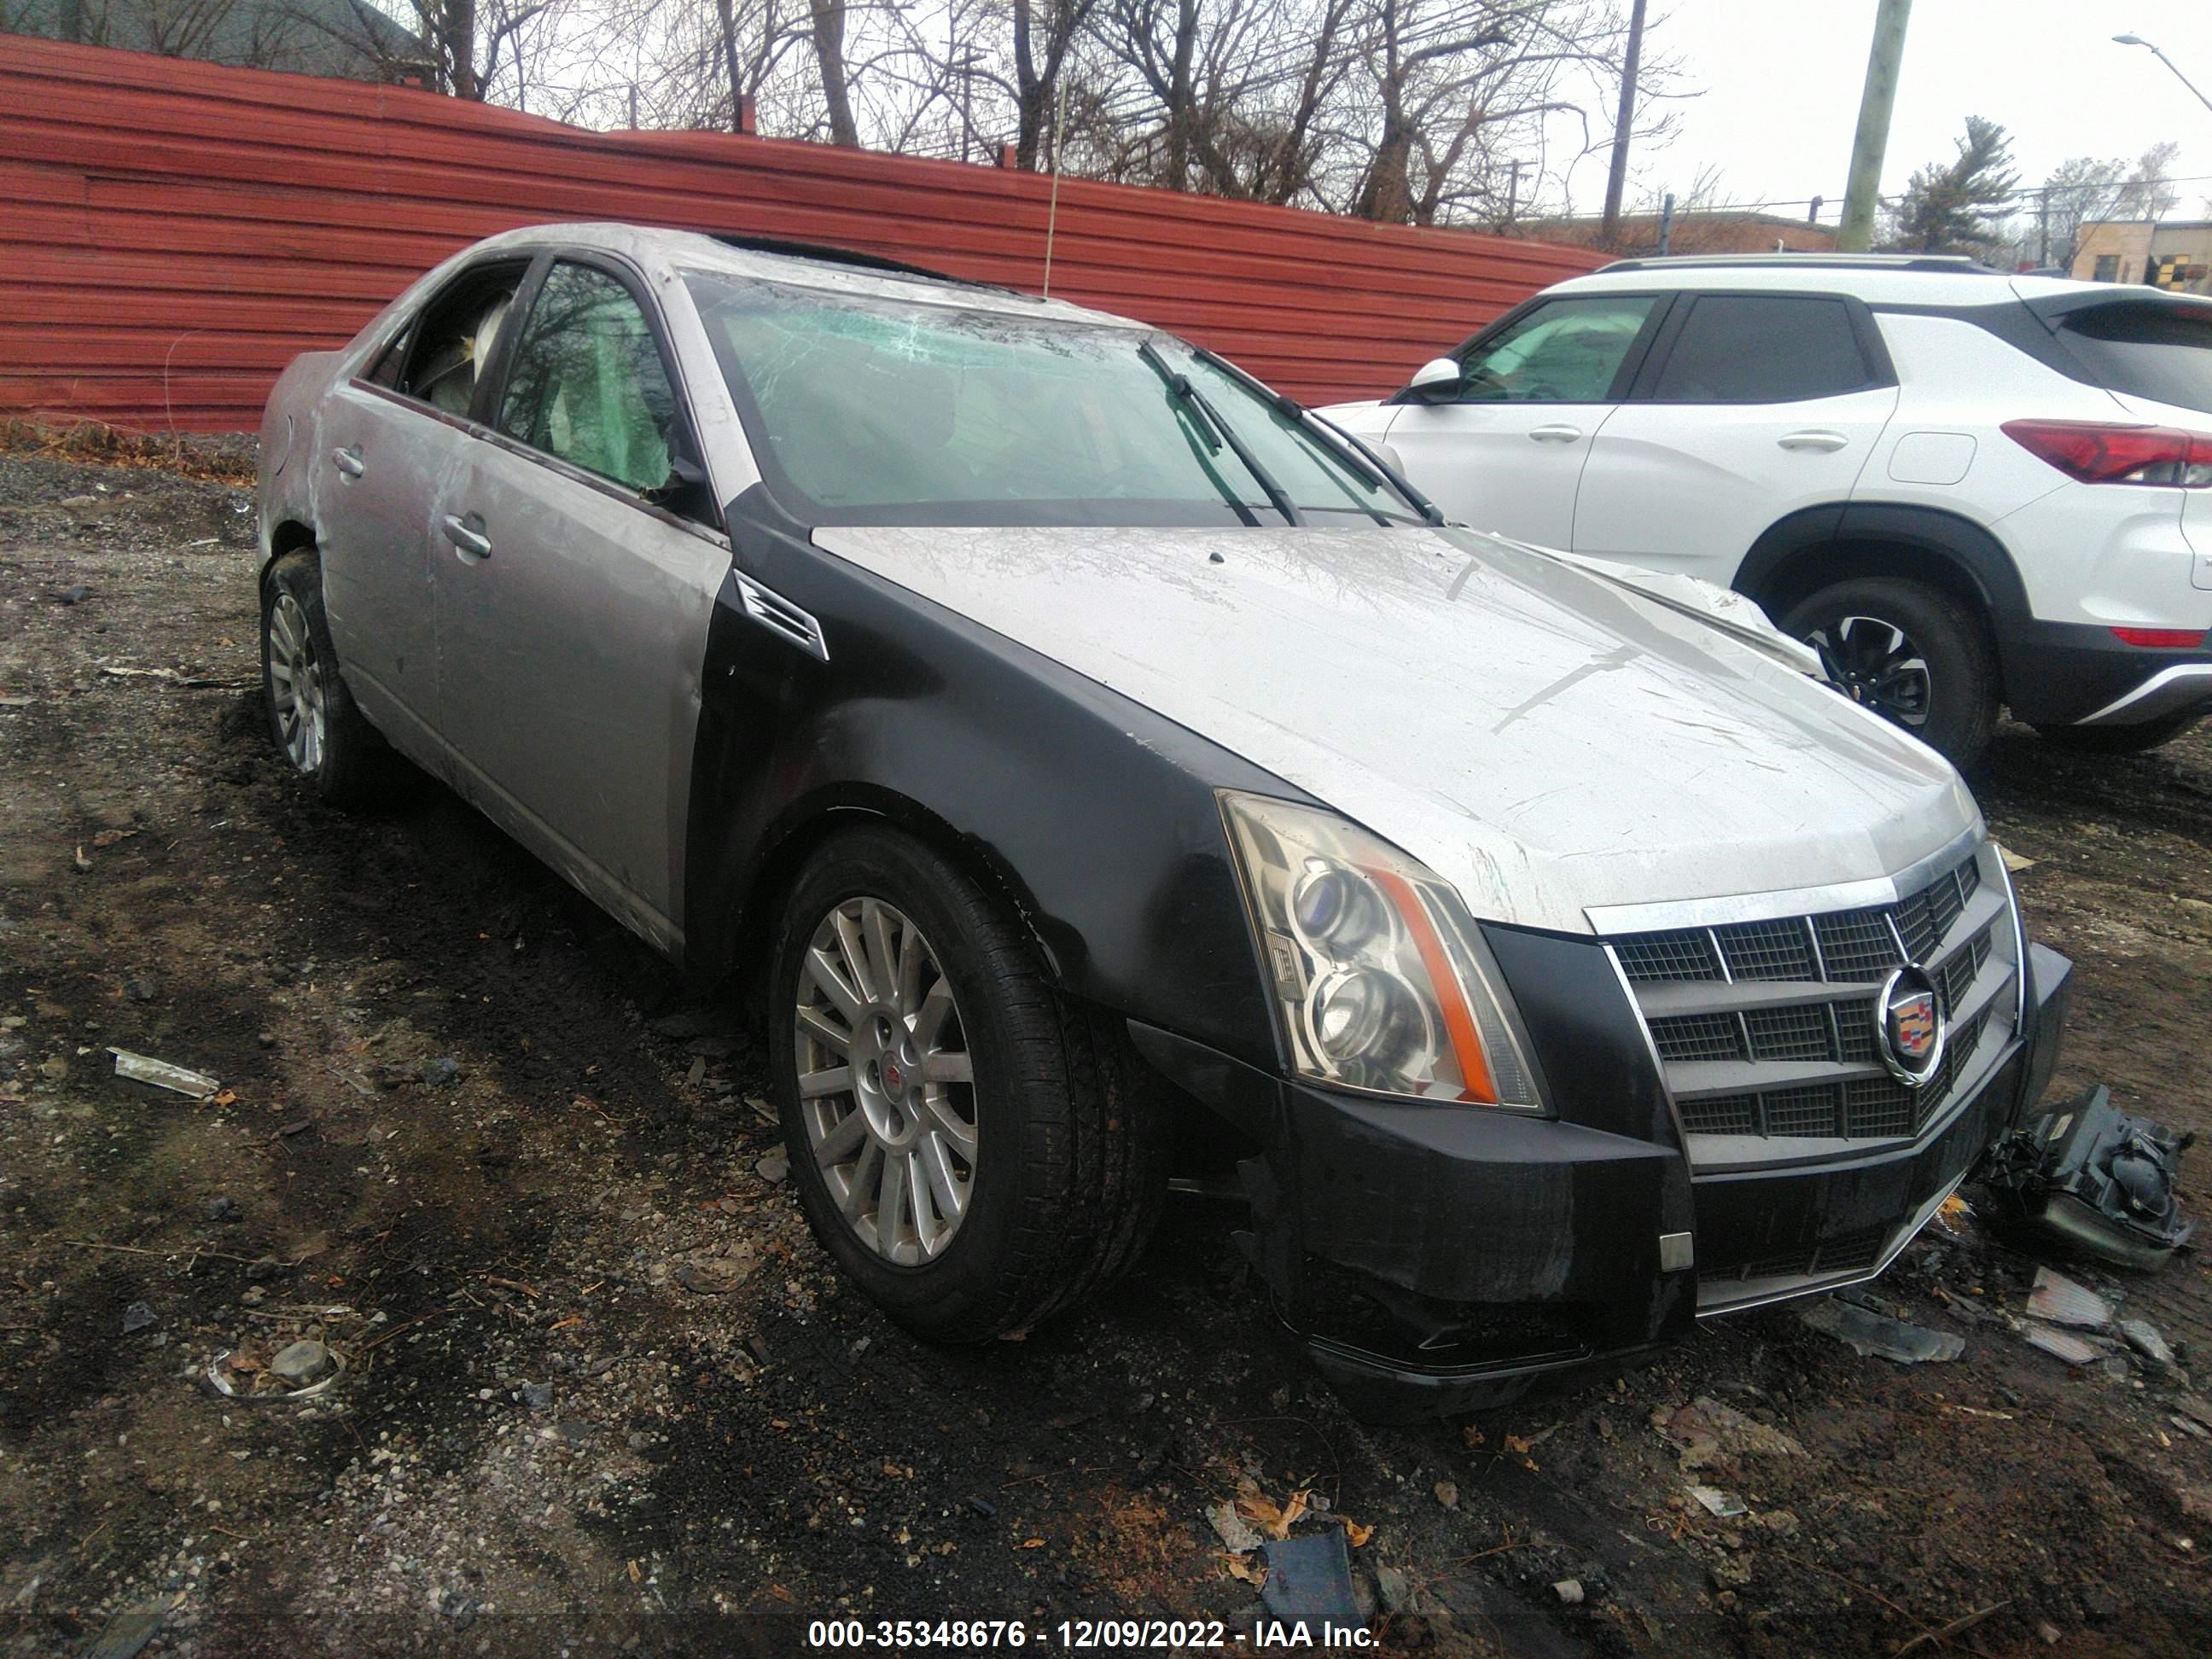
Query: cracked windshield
point(876, 411)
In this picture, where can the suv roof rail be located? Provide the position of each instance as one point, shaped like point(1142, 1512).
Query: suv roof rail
point(830, 254)
point(1958, 264)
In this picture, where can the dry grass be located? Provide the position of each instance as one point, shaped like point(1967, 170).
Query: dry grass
point(97, 444)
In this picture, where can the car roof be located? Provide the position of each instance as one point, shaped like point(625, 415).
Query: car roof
point(1880, 279)
point(833, 269)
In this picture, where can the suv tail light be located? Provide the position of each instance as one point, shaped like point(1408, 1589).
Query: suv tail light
point(2096, 452)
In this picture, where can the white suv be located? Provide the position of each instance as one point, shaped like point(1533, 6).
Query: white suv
point(1967, 490)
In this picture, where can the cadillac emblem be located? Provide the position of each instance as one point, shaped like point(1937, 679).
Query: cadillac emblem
point(1909, 1026)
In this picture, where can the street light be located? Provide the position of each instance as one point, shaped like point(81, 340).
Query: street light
point(2137, 40)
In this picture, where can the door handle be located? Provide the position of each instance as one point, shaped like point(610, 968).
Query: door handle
point(1822, 441)
point(467, 535)
point(348, 461)
point(1555, 434)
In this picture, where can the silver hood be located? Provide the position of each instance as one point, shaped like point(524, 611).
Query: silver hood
point(1548, 739)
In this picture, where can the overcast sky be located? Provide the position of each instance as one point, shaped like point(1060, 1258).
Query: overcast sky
point(1781, 79)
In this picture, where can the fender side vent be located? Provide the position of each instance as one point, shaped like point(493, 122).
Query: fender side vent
point(779, 615)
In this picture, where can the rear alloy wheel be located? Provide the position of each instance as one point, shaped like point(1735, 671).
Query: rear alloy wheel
point(312, 716)
point(974, 1149)
point(1913, 654)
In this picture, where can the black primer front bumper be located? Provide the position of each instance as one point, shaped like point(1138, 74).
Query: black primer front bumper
point(1439, 1259)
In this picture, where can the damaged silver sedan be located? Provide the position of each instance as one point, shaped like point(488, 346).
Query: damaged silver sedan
point(1088, 760)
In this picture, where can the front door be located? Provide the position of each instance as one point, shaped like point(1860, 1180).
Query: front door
point(573, 609)
point(1506, 452)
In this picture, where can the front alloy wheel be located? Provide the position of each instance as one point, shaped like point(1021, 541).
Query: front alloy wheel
point(886, 1086)
point(972, 1148)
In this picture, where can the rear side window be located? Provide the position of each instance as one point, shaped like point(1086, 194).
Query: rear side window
point(1763, 349)
point(450, 339)
point(2146, 351)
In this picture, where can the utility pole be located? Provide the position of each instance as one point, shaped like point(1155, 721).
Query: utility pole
point(1617, 178)
point(1512, 192)
point(1872, 140)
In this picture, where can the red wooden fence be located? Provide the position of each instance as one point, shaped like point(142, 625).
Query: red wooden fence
point(173, 233)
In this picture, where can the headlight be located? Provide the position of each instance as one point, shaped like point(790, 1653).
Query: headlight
point(1383, 981)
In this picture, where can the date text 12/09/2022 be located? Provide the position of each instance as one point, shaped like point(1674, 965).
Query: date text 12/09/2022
point(1082, 1635)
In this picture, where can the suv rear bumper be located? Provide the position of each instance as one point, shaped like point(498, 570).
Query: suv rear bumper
point(1441, 1258)
point(2076, 673)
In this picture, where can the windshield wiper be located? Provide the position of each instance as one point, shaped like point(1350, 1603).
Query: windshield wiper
point(1203, 410)
point(1369, 467)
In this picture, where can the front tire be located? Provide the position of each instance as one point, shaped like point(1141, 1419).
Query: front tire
point(1912, 653)
point(313, 718)
point(2120, 739)
point(973, 1150)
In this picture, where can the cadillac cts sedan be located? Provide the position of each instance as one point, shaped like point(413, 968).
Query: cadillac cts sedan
point(1091, 762)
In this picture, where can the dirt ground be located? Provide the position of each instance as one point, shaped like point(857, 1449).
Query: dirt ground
point(602, 1392)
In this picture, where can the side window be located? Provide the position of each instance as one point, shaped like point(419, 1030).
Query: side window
point(1567, 352)
point(587, 384)
point(452, 338)
point(384, 371)
point(1763, 349)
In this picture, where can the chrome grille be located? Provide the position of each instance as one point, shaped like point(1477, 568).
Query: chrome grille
point(1767, 1028)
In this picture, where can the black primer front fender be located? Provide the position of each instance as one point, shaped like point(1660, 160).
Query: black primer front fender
point(1096, 816)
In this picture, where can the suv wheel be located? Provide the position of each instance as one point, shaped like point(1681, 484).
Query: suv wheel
point(2120, 739)
point(312, 716)
point(1911, 652)
point(965, 1141)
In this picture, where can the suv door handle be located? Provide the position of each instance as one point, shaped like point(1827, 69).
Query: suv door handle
point(1825, 441)
point(1555, 434)
point(467, 534)
point(348, 461)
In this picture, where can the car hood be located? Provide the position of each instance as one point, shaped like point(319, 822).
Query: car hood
point(1547, 739)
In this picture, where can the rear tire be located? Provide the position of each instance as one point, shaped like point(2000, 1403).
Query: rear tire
point(318, 728)
point(1025, 1116)
point(2120, 739)
point(1912, 653)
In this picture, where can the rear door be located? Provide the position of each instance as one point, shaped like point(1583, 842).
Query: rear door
point(1506, 451)
point(391, 440)
point(573, 603)
point(1751, 406)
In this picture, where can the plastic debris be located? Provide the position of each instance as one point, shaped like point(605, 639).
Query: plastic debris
point(2057, 1300)
point(1876, 1335)
point(138, 1317)
point(142, 1068)
point(2145, 1338)
point(2088, 1175)
point(235, 1377)
point(1310, 1580)
point(2063, 1345)
point(1235, 1532)
point(1726, 1505)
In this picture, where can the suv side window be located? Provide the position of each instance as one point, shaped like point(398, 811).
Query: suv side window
point(1763, 349)
point(1568, 352)
point(587, 384)
point(450, 339)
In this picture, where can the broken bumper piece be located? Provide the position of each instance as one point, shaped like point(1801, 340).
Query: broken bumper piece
point(1439, 1259)
point(2088, 1176)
